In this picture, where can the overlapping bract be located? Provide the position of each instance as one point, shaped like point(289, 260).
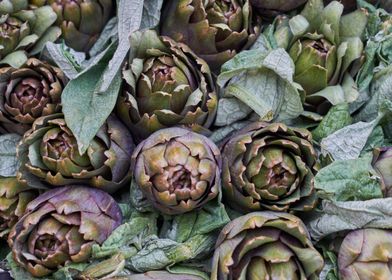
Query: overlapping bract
point(62, 225)
point(81, 21)
point(216, 30)
point(24, 29)
point(49, 151)
point(27, 93)
point(366, 254)
point(14, 197)
point(269, 166)
point(265, 245)
point(272, 8)
point(382, 163)
point(167, 85)
point(177, 170)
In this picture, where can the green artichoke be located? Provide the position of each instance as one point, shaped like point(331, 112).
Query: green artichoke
point(49, 152)
point(382, 163)
point(177, 170)
point(27, 93)
point(216, 30)
point(61, 226)
point(81, 21)
point(327, 51)
point(365, 254)
point(269, 166)
point(272, 8)
point(24, 29)
point(265, 245)
point(167, 85)
point(14, 197)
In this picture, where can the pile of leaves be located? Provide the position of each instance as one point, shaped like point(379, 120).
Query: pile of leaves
point(190, 139)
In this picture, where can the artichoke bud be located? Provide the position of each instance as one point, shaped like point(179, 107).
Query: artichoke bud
point(12, 31)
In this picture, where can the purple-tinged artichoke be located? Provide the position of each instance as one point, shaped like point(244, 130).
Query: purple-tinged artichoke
point(177, 170)
point(272, 8)
point(27, 93)
point(366, 254)
point(14, 197)
point(382, 163)
point(49, 152)
point(167, 85)
point(269, 166)
point(61, 226)
point(265, 245)
point(216, 30)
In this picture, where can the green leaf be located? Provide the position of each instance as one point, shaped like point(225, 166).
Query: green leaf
point(9, 163)
point(151, 13)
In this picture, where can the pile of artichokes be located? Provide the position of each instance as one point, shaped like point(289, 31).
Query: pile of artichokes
point(196, 139)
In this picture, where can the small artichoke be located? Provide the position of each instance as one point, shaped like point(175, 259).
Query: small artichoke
point(27, 93)
point(382, 163)
point(14, 197)
point(177, 170)
point(365, 254)
point(49, 152)
point(216, 30)
point(272, 8)
point(81, 21)
point(265, 245)
point(167, 85)
point(61, 226)
point(269, 166)
point(24, 29)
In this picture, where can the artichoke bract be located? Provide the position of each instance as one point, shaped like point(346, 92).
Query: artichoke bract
point(14, 197)
point(167, 85)
point(327, 51)
point(265, 245)
point(177, 170)
point(269, 166)
point(216, 30)
point(382, 163)
point(49, 153)
point(81, 21)
point(272, 8)
point(24, 29)
point(27, 93)
point(366, 254)
point(61, 226)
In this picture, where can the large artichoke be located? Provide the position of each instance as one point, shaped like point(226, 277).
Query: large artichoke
point(49, 151)
point(366, 254)
point(382, 163)
point(14, 197)
point(177, 170)
point(27, 93)
point(167, 85)
point(24, 29)
point(81, 21)
point(326, 48)
point(269, 166)
point(272, 8)
point(265, 245)
point(61, 226)
point(216, 30)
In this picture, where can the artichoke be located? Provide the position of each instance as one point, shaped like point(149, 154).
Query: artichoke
point(49, 151)
point(265, 245)
point(327, 51)
point(24, 29)
point(382, 163)
point(177, 170)
point(61, 226)
point(216, 30)
point(81, 21)
point(269, 166)
point(365, 254)
point(27, 93)
point(14, 197)
point(167, 85)
point(272, 8)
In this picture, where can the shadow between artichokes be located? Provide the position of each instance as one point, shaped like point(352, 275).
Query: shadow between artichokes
point(49, 153)
point(269, 166)
point(166, 85)
point(272, 8)
point(61, 226)
point(27, 93)
point(265, 245)
point(177, 170)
